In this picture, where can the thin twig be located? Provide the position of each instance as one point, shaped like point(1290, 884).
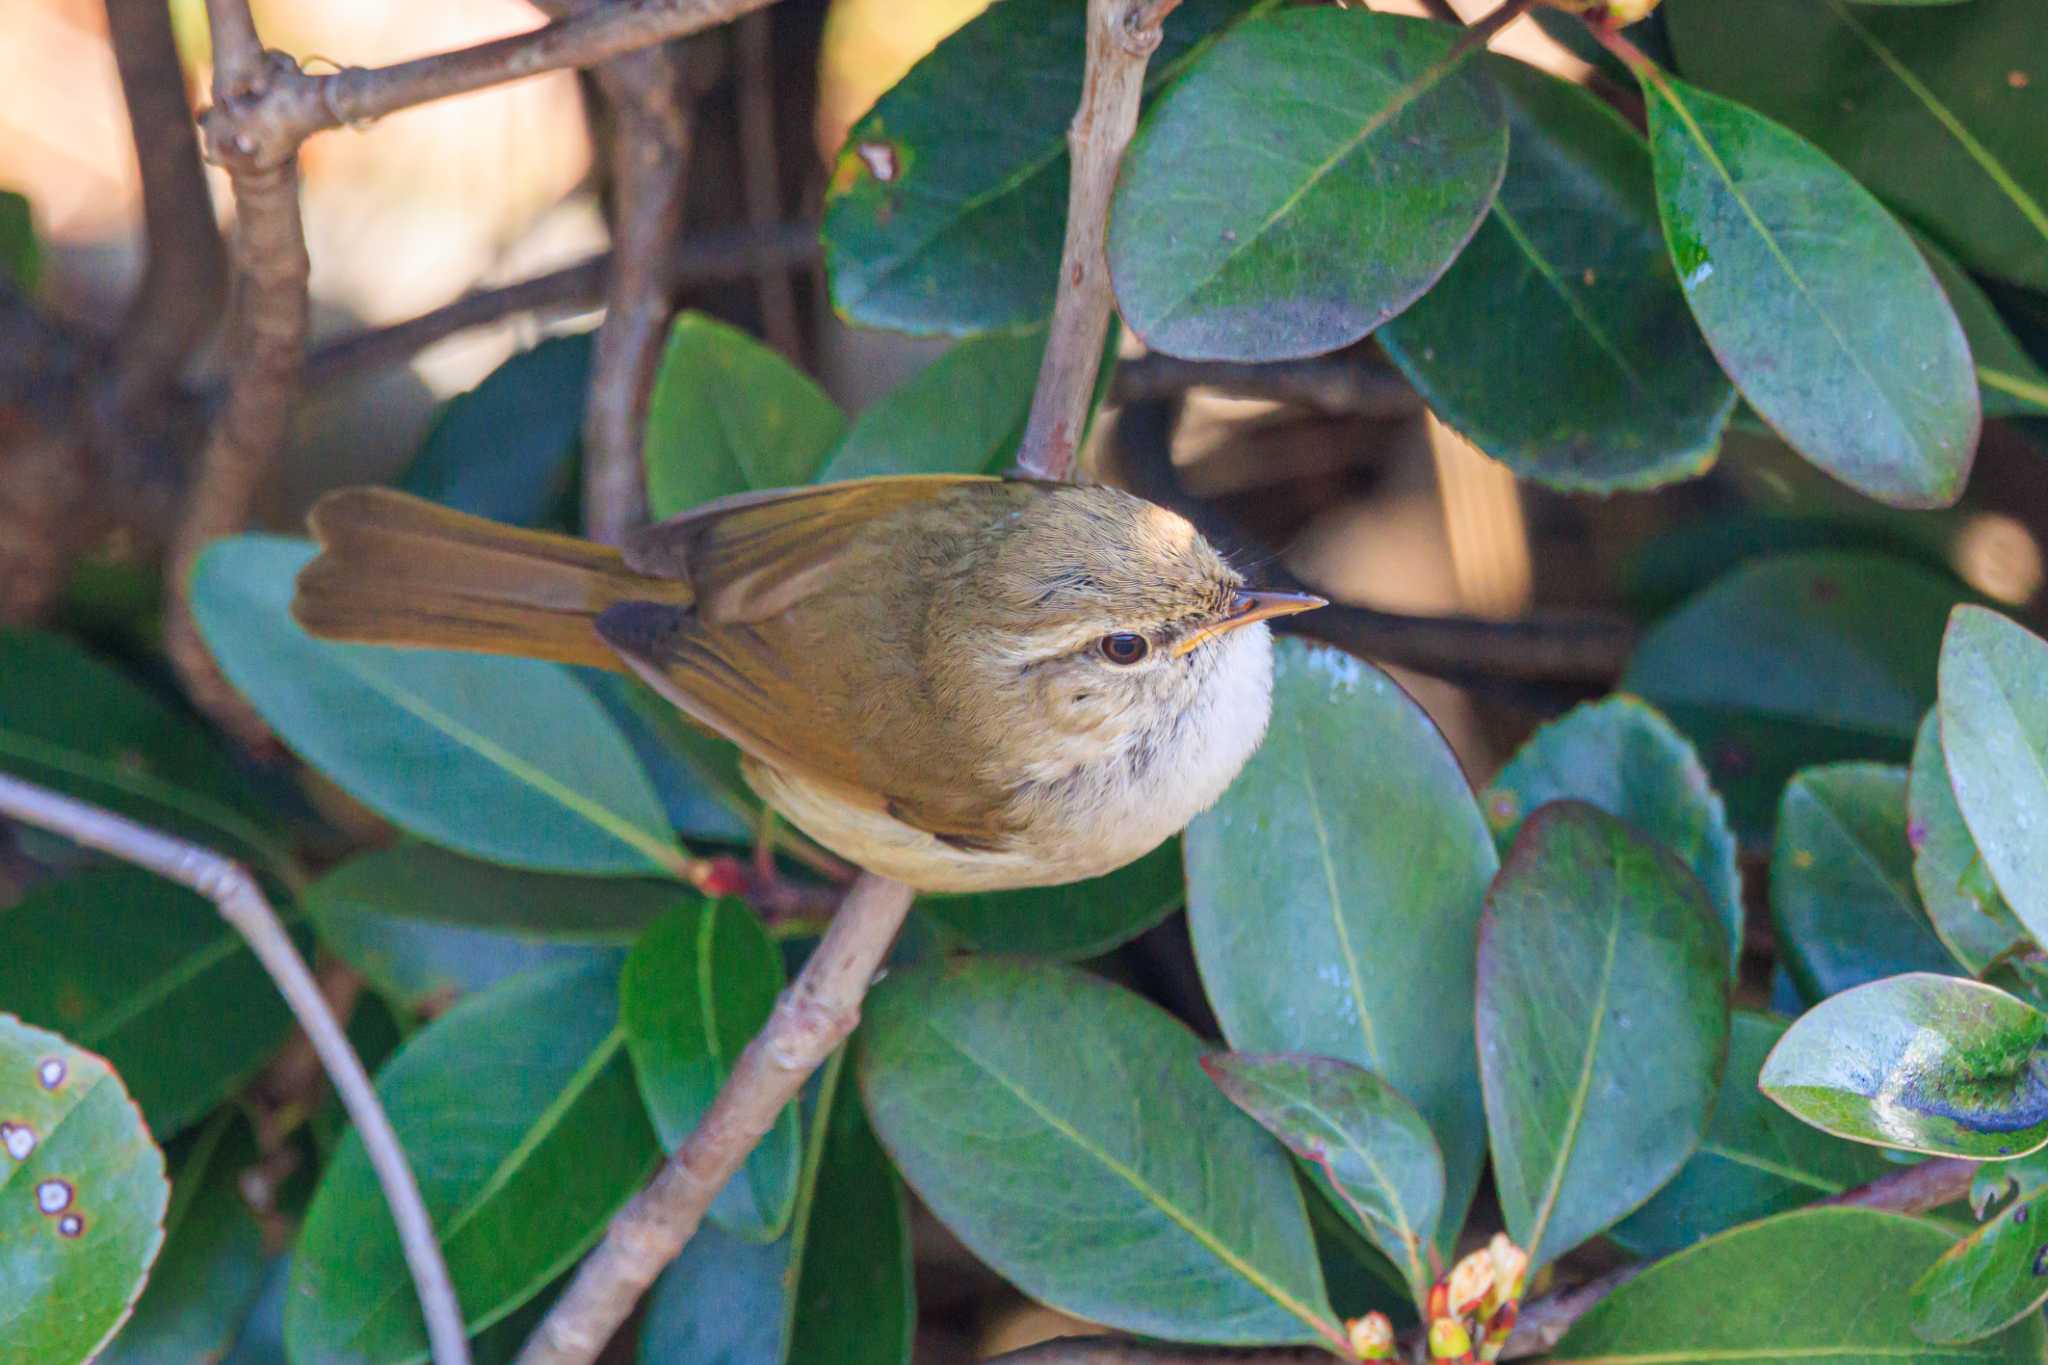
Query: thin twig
point(761, 179)
point(242, 904)
point(1117, 1351)
point(1442, 10)
point(811, 1019)
point(1122, 36)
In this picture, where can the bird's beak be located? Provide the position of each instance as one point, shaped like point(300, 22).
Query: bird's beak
point(1247, 607)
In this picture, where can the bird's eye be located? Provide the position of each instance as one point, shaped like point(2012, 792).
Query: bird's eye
point(1124, 647)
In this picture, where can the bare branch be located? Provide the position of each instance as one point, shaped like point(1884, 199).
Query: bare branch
point(242, 904)
point(761, 180)
point(1122, 36)
point(813, 1017)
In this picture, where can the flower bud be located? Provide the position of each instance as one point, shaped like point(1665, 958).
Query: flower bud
point(1499, 1328)
point(1470, 1281)
point(1510, 1270)
point(1448, 1340)
point(1372, 1337)
point(1620, 13)
point(1439, 1305)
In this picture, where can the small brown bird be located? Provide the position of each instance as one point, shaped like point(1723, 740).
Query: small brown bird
point(962, 683)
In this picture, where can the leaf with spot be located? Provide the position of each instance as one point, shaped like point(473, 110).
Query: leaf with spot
point(82, 1197)
point(1307, 181)
point(507, 448)
point(1602, 1024)
point(2009, 381)
point(509, 760)
point(1962, 902)
point(1813, 299)
point(1199, 1232)
point(1989, 1280)
point(518, 1111)
point(697, 987)
point(1602, 383)
point(962, 414)
point(1922, 1063)
point(1074, 920)
point(1334, 894)
point(1994, 734)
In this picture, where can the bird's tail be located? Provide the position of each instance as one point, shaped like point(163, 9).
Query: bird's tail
point(394, 569)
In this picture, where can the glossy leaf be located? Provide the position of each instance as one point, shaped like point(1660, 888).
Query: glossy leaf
point(1962, 902)
point(1994, 733)
point(1602, 383)
point(1960, 147)
point(137, 969)
point(21, 255)
point(1077, 920)
point(1989, 1280)
point(1792, 661)
point(1814, 300)
point(1247, 228)
point(2011, 384)
point(82, 1197)
point(1014, 1144)
point(1603, 1024)
point(1368, 1142)
point(962, 414)
point(518, 1110)
point(1923, 1063)
point(1842, 896)
point(941, 218)
point(503, 759)
point(507, 448)
point(728, 415)
point(1756, 1159)
point(1334, 894)
point(696, 773)
point(1816, 1284)
point(1623, 757)
point(697, 987)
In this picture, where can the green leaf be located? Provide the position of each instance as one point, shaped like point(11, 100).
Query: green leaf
point(1917, 103)
point(2010, 383)
point(1842, 894)
point(2021, 1178)
point(1962, 902)
point(729, 415)
point(137, 969)
point(1988, 1281)
point(82, 1197)
point(1817, 1284)
point(1796, 660)
point(941, 218)
point(21, 255)
point(1334, 894)
point(518, 1111)
point(71, 722)
point(1994, 733)
point(1247, 227)
point(962, 414)
point(1623, 757)
point(1077, 920)
point(1602, 383)
point(1603, 1024)
point(503, 759)
point(1013, 1144)
point(696, 772)
point(507, 448)
point(1921, 1063)
point(1756, 1159)
point(697, 987)
point(1368, 1142)
point(1813, 299)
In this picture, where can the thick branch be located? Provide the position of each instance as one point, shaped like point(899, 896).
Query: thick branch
point(1122, 36)
point(813, 1017)
point(242, 904)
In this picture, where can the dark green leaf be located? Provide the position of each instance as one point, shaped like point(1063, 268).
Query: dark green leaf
point(504, 759)
point(722, 1302)
point(1625, 758)
point(1371, 1145)
point(1962, 902)
point(1814, 300)
point(518, 1111)
point(962, 414)
point(2011, 384)
point(507, 449)
point(941, 218)
point(1602, 383)
point(1989, 1280)
point(140, 970)
point(696, 772)
point(1334, 893)
point(728, 415)
point(1014, 1143)
point(1077, 920)
point(698, 986)
point(21, 255)
point(1994, 733)
point(2021, 1178)
point(1603, 1024)
point(1307, 181)
point(1923, 1063)
point(1816, 1284)
point(1680, 561)
point(1756, 1160)
point(1920, 104)
point(82, 1197)
point(1842, 895)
